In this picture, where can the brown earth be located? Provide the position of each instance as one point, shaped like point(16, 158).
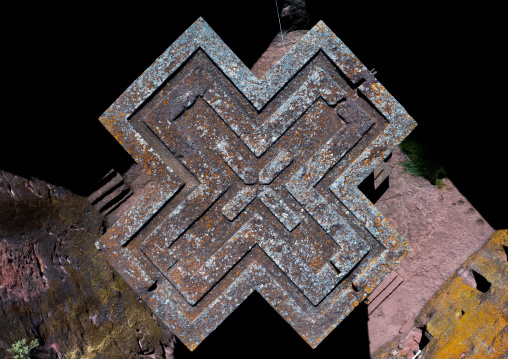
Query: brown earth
point(278, 47)
point(56, 287)
point(441, 226)
point(468, 316)
point(443, 230)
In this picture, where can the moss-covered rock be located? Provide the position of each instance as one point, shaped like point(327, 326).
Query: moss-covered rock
point(56, 287)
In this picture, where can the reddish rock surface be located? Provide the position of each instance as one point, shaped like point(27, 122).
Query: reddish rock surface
point(441, 226)
point(275, 51)
point(443, 230)
point(56, 287)
point(294, 19)
point(469, 319)
point(294, 15)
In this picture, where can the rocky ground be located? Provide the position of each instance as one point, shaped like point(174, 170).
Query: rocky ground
point(440, 224)
point(54, 286)
point(443, 230)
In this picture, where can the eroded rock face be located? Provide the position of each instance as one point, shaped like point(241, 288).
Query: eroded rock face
point(22, 276)
point(441, 226)
point(56, 287)
point(294, 15)
point(275, 51)
point(468, 316)
point(294, 19)
point(443, 230)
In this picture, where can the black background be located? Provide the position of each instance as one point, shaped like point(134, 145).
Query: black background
point(67, 65)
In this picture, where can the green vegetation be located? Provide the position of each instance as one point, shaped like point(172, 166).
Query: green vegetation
point(421, 163)
point(21, 350)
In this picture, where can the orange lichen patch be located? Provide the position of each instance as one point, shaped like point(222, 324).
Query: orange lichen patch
point(242, 171)
point(467, 321)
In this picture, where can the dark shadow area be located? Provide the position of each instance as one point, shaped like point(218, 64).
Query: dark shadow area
point(43, 353)
point(421, 162)
point(482, 284)
point(255, 330)
point(368, 185)
point(505, 252)
point(69, 69)
point(152, 287)
point(368, 189)
point(55, 134)
point(426, 337)
point(429, 72)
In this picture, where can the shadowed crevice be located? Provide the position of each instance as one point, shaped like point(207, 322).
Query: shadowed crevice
point(255, 328)
point(482, 284)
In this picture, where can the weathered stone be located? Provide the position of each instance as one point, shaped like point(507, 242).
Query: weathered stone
point(294, 15)
point(275, 51)
point(442, 228)
point(254, 184)
point(116, 192)
point(426, 216)
point(464, 321)
point(54, 287)
point(383, 290)
point(467, 317)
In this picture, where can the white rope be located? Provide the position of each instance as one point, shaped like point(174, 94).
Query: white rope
point(419, 351)
point(280, 26)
